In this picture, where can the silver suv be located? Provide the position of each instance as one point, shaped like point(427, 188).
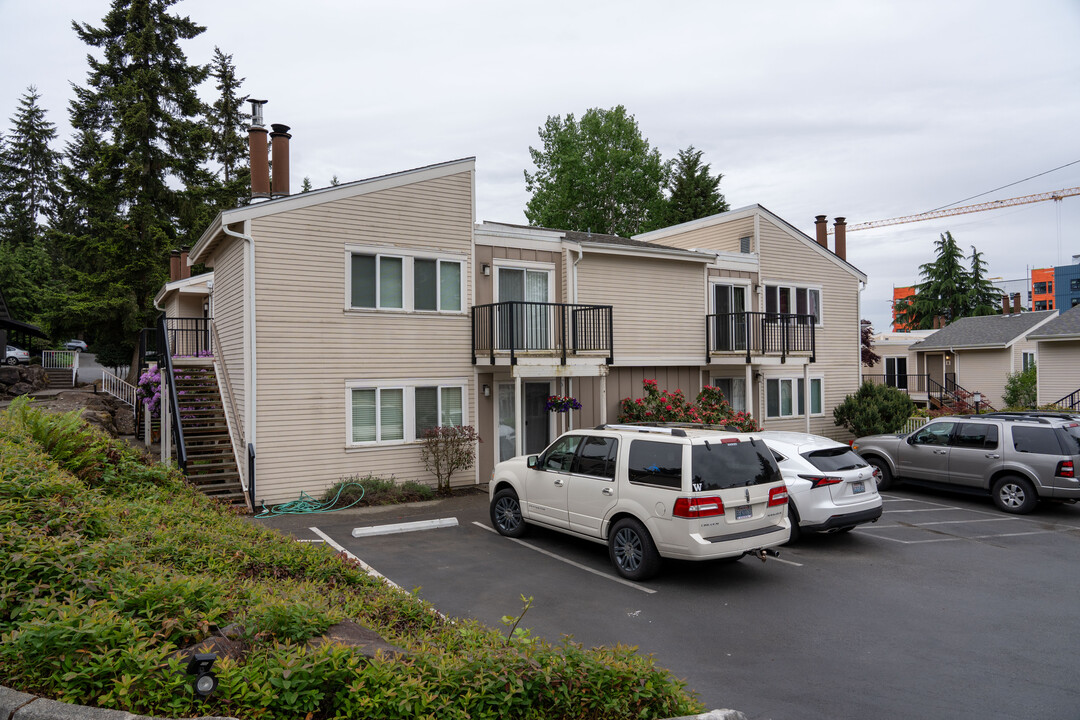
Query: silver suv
point(648, 492)
point(1018, 458)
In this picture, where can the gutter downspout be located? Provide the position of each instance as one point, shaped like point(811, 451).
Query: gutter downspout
point(249, 334)
point(573, 299)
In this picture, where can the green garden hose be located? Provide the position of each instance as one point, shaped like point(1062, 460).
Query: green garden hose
point(308, 505)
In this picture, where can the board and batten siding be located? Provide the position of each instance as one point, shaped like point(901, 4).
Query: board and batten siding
point(1058, 375)
point(309, 345)
point(626, 382)
point(659, 306)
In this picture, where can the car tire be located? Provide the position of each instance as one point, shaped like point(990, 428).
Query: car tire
point(632, 550)
point(793, 518)
point(11, 360)
point(885, 478)
point(506, 514)
point(1015, 494)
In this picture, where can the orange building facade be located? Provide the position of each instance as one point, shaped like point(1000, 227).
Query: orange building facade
point(900, 293)
point(1042, 289)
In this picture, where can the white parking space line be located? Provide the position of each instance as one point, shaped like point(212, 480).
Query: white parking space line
point(960, 522)
point(552, 555)
point(367, 568)
point(933, 509)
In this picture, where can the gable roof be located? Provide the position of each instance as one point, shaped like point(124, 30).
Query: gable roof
point(749, 211)
point(1065, 326)
point(985, 332)
point(324, 195)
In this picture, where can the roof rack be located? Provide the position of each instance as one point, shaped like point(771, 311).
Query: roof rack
point(1042, 418)
point(644, 428)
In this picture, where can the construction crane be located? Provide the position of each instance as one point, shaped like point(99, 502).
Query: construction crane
point(992, 205)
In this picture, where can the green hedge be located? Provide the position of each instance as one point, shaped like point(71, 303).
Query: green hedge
point(112, 565)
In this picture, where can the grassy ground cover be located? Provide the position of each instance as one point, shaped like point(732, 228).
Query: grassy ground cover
point(111, 565)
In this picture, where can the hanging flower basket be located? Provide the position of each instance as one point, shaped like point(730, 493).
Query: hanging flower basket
point(559, 403)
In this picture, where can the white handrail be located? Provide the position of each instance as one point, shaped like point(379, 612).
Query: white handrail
point(913, 423)
point(118, 388)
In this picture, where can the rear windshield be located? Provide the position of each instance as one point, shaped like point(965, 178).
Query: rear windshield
point(834, 459)
point(1070, 438)
point(655, 463)
point(718, 466)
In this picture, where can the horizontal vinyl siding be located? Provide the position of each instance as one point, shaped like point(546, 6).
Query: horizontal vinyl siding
point(787, 260)
point(658, 305)
point(1058, 370)
point(722, 236)
point(310, 346)
point(984, 371)
point(228, 304)
point(488, 254)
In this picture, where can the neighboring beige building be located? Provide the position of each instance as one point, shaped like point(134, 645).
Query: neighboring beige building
point(898, 362)
point(1057, 352)
point(975, 355)
point(349, 319)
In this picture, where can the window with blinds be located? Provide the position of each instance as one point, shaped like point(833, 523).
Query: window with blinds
point(383, 282)
point(378, 414)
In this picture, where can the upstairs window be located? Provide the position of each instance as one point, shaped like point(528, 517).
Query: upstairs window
point(403, 282)
point(785, 299)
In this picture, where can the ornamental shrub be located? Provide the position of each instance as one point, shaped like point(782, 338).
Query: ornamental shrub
point(874, 409)
point(1020, 389)
point(709, 408)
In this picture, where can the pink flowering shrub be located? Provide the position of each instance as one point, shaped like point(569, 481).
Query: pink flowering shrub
point(709, 408)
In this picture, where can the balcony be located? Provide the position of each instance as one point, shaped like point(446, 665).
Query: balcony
point(509, 331)
point(758, 335)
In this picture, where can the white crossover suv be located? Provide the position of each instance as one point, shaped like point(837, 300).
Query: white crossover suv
point(831, 488)
point(648, 493)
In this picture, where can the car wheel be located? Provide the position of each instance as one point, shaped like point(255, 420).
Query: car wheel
point(632, 550)
point(884, 475)
point(1015, 495)
point(793, 518)
point(11, 360)
point(506, 514)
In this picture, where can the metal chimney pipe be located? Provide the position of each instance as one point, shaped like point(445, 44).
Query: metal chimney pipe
point(258, 152)
point(840, 229)
point(821, 225)
point(279, 142)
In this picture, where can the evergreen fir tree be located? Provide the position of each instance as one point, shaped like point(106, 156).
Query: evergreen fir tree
point(306, 185)
point(138, 171)
point(695, 192)
point(228, 143)
point(946, 289)
point(981, 296)
point(31, 167)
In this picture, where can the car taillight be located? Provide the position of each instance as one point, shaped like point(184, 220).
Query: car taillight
point(1065, 469)
point(778, 496)
point(821, 480)
point(698, 507)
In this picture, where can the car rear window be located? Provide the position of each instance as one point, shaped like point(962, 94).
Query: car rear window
point(834, 459)
point(655, 463)
point(1038, 440)
point(1070, 438)
point(718, 466)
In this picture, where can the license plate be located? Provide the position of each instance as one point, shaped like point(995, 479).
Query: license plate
point(858, 487)
point(742, 512)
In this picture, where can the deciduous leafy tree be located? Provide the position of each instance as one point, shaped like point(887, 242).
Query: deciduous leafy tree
point(948, 289)
point(866, 331)
point(597, 174)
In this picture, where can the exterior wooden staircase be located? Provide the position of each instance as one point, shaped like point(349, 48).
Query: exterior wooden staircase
point(211, 464)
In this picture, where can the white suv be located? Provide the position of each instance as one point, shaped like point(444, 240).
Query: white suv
point(648, 492)
point(832, 489)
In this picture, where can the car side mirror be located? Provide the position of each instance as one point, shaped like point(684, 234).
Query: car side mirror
point(532, 461)
point(911, 439)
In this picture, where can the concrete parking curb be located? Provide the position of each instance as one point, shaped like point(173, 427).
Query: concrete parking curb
point(15, 705)
point(714, 715)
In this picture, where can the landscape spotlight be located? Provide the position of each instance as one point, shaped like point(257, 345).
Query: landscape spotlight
point(200, 666)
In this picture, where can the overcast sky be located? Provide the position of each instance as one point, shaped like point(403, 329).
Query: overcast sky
point(868, 110)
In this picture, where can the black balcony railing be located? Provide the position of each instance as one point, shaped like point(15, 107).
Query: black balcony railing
point(909, 383)
point(559, 330)
point(758, 333)
point(189, 336)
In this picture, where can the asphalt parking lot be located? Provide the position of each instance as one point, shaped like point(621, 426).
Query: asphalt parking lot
point(945, 608)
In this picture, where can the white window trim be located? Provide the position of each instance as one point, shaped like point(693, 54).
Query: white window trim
point(795, 380)
point(501, 264)
point(408, 299)
point(408, 388)
point(746, 389)
point(715, 280)
point(766, 284)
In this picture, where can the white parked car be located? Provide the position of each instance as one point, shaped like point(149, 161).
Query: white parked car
point(16, 356)
point(648, 493)
point(831, 488)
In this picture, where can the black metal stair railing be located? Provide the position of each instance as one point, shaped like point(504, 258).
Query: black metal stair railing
point(168, 379)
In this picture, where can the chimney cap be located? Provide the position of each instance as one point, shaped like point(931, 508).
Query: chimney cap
point(280, 129)
point(256, 111)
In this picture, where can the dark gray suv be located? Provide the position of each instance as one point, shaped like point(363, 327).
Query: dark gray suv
point(1018, 458)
